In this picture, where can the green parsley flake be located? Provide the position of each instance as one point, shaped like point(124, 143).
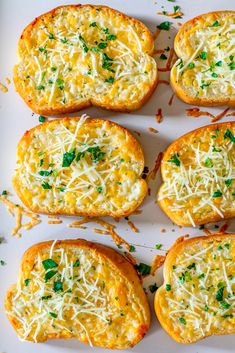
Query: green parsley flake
point(165, 26)
point(175, 160)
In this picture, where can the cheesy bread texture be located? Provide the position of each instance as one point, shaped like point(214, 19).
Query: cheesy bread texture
point(80, 166)
point(197, 298)
point(80, 55)
point(204, 72)
point(198, 172)
point(78, 289)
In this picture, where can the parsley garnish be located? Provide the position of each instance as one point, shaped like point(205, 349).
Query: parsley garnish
point(175, 160)
point(40, 87)
point(228, 134)
point(214, 75)
point(53, 68)
point(158, 246)
point(68, 158)
point(60, 83)
point(203, 55)
point(191, 65)
point(49, 275)
point(143, 269)
point(182, 320)
point(153, 287)
point(219, 294)
point(165, 26)
point(51, 36)
point(44, 172)
point(132, 248)
point(58, 286)
point(99, 189)
point(49, 263)
point(46, 186)
point(168, 287)
point(110, 79)
point(107, 62)
point(45, 297)
point(102, 45)
point(204, 85)
point(93, 24)
point(96, 152)
point(192, 266)
point(217, 193)
point(208, 163)
point(163, 57)
point(225, 305)
point(83, 43)
point(76, 263)
point(26, 281)
point(228, 182)
point(64, 40)
point(111, 37)
point(219, 63)
point(53, 314)
point(216, 24)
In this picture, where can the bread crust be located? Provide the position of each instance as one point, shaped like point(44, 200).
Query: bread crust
point(174, 148)
point(179, 90)
point(132, 144)
point(124, 106)
point(174, 251)
point(120, 263)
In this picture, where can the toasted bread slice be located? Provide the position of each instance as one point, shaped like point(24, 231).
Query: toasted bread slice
point(198, 176)
point(80, 166)
point(80, 55)
point(75, 288)
point(197, 297)
point(203, 75)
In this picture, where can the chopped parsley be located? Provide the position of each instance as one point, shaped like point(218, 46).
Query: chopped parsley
point(4, 193)
point(49, 263)
point(204, 85)
point(202, 275)
point(60, 83)
point(175, 160)
point(163, 57)
point(153, 287)
point(46, 186)
point(219, 295)
point(51, 36)
point(49, 275)
point(217, 193)
point(99, 189)
point(203, 55)
point(111, 37)
point(58, 286)
point(76, 263)
point(102, 45)
point(182, 320)
point(192, 266)
point(191, 65)
point(83, 43)
point(96, 153)
point(225, 305)
point(168, 287)
point(93, 24)
point(68, 158)
point(143, 269)
point(208, 163)
point(45, 297)
point(214, 75)
point(45, 172)
point(64, 40)
point(40, 87)
point(227, 245)
point(232, 65)
point(216, 24)
point(53, 68)
point(110, 79)
point(228, 182)
point(26, 281)
point(41, 119)
point(53, 314)
point(219, 63)
point(228, 134)
point(107, 63)
point(132, 248)
point(2, 263)
point(158, 246)
point(165, 26)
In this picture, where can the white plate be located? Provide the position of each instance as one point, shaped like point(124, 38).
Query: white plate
point(16, 118)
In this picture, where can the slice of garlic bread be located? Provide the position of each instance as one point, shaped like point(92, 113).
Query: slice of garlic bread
point(80, 55)
point(197, 298)
point(198, 172)
point(75, 288)
point(204, 73)
point(80, 166)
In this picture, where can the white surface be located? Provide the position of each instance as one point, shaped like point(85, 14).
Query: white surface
point(16, 118)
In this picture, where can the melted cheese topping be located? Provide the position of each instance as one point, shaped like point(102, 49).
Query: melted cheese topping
point(73, 166)
point(199, 176)
point(199, 293)
point(207, 56)
point(77, 54)
point(75, 292)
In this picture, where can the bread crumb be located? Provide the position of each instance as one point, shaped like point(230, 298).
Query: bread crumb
point(157, 262)
point(133, 227)
point(3, 88)
point(151, 129)
point(162, 230)
point(8, 81)
point(159, 116)
point(55, 221)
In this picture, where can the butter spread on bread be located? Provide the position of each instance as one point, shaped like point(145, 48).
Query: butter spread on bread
point(80, 55)
point(197, 298)
point(198, 172)
point(80, 166)
point(204, 72)
point(75, 288)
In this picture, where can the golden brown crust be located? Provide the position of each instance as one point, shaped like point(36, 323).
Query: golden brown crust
point(182, 93)
point(120, 263)
point(76, 106)
point(132, 144)
point(175, 250)
point(175, 147)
